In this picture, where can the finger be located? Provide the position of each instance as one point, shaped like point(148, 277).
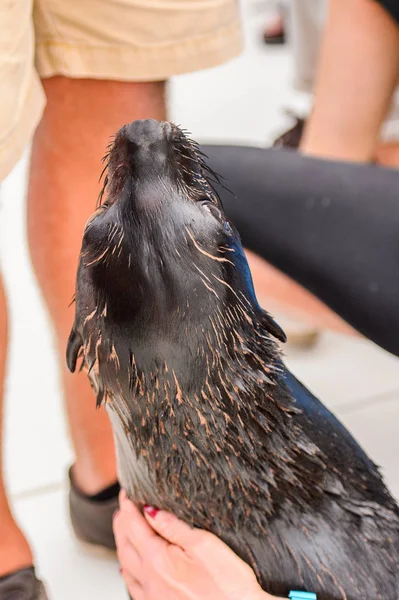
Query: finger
point(125, 534)
point(122, 496)
point(170, 527)
point(120, 524)
point(131, 563)
point(118, 528)
point(130, 523)
point(136, 592)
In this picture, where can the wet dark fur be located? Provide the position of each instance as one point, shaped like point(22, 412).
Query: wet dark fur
point(208, 421)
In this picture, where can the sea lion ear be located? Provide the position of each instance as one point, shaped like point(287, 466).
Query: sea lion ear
point(271, 326)
point(73, 348)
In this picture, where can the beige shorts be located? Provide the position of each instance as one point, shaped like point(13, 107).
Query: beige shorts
point(124, 40)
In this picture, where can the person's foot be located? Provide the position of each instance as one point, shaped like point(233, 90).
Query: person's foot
point(292, 137)
point(18, 580)
point(22, 585)
point(91, 515)
point(274, 32)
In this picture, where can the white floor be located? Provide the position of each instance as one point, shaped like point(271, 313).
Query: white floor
point(239, 102)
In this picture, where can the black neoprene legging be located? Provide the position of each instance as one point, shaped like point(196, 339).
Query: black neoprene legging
point(332, 227)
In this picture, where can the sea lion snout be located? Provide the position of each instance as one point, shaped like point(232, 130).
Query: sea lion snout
point(141, 150)
point(147, 131)
point(146, 139)
point(151, 164)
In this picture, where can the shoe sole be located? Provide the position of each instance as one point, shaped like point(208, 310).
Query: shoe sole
point(41, 593)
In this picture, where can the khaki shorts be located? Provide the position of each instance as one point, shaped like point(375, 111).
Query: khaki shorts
point(124, 40)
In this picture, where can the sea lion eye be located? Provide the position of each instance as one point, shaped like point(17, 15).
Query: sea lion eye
point(214, 210)
point(218, 214)
point(97, 212)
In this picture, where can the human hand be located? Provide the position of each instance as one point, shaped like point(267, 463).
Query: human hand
point(162, 557)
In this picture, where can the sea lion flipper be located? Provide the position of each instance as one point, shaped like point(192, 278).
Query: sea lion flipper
point(73, 348)
point(272, 327)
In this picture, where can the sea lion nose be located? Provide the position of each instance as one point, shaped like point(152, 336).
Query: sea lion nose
point(147, 131)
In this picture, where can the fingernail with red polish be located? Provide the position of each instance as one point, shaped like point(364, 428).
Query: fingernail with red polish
point(151, 511)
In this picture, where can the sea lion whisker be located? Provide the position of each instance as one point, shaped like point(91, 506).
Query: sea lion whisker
point(204, 251)
point(210, 289)
point(102, 191)
point(104, 160)
point(112, 232)
point(96, 260)
point(89, 317)
point(227, 285)
point(91, 366)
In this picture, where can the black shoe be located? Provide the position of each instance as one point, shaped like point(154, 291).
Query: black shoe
point(292, 137)
point(274, 39)
point(274, 33)
point(91, 516)
point(22, 585)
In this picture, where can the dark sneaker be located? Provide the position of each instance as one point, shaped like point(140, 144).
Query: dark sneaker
point(292, 137)
point(274, 32)
point(91, 516)
point(274, 39)
point(22, 585)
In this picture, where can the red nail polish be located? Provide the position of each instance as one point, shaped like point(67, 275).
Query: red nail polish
point(121, 570)
point(151, 511)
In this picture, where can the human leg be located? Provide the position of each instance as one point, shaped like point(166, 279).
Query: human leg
point(69, 143)
point(357, 74)
point(330, 226)
point(14, 549)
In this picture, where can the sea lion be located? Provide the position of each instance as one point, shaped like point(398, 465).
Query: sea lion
point(209, 423)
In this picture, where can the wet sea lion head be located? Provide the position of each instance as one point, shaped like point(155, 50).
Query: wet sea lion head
point(162, 272)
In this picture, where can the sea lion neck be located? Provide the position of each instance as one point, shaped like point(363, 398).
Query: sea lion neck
point(207, 408)
point(194, 348)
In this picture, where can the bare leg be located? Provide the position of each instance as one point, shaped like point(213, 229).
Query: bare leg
point(357, 73)
point(290, 297)
point(387, 154)
point(14, 549)
point(66, 163)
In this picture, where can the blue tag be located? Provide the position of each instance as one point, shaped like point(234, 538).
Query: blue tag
point(302, 596)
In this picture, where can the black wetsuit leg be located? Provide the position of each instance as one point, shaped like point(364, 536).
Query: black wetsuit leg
point(332, 227)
